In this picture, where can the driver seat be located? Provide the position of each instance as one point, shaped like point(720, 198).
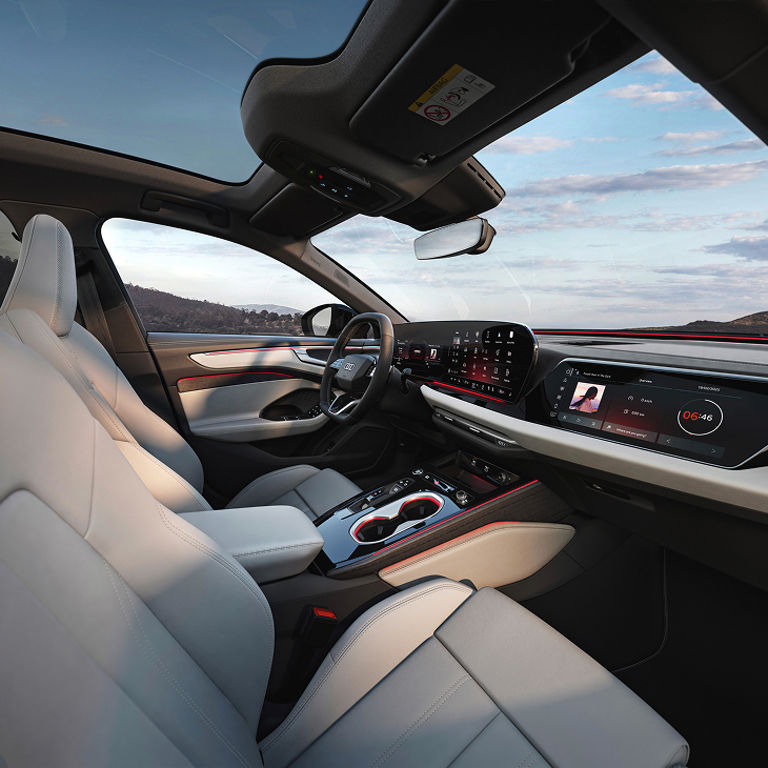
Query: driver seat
point(39, 309)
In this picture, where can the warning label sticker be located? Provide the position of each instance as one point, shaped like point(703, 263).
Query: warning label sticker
point(450, 95)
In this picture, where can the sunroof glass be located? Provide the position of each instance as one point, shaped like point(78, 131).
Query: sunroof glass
point(154, 79)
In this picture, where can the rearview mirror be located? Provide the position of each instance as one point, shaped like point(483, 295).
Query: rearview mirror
point(471, 236)
point(327, 320)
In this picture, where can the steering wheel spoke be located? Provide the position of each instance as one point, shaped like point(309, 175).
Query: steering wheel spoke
point(360, 377)
point(336, 407)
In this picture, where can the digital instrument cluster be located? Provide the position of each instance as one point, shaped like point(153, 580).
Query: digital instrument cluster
point(716, 419)
point(472, 358)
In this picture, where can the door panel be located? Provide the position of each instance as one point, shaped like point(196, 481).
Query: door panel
point(245, 388)
point(236, 413)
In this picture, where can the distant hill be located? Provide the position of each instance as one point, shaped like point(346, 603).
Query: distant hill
point(756, 323)
point(277, 308)
point(162, 311)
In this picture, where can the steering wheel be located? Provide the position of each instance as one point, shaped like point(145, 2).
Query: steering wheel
point(361, 378)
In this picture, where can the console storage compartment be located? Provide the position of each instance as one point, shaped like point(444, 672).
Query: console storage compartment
point(271, 543)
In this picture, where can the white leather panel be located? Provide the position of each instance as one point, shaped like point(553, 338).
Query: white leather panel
point(168, 487)
point(198, 603)
point(576, 712)
point(744, 487)
point(369, 650)
point(291, 358)
point(271, 543)
point(491, 556)
point(44, 279)
point(312, 490)
point(233, 413)
point(146, 427)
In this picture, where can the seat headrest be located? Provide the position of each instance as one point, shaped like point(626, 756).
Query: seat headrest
point(44, 280)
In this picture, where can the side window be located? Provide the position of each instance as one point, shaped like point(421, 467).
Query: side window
point(186, 282)
point(9, 253)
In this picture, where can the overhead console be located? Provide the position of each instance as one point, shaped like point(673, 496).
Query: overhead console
point(717, 419)
point(486, 361)
point(389, 123)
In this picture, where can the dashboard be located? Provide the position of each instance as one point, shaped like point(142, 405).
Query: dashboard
point(714, 418)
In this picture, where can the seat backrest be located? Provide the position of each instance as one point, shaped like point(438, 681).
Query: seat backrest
point(128, 637)
point(39, 309)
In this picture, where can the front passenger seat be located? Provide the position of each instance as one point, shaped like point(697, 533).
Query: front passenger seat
point(39, 309)
point(129, 638)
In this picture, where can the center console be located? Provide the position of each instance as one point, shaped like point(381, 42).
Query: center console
point(411, 506)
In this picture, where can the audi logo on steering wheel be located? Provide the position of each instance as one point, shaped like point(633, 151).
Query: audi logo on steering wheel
point(349, 366)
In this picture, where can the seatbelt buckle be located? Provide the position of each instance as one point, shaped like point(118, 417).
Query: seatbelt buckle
point(317, 625)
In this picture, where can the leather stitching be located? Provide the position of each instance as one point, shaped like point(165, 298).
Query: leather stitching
point(152, 655)
point(476, 737)
point(395, 606)
point(108, 414)
point(309, 694)
point(441, 549)
point(173, 476)
point(264, 550)
point(529, 760)
point(422, 719)
point(59, 287)
point(92, 394)
point(167, 521)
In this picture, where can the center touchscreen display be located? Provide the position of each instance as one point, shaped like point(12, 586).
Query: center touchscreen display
point(491, 361)
point(710, 418)
point(469, 358)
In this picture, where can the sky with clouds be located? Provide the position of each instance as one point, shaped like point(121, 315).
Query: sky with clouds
point(157, 80)
point(639, 202)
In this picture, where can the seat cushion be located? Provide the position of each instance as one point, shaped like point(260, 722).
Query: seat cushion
point(493, 685)
point(312, 490)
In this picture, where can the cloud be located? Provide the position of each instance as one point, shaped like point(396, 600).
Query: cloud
point(528, 145)
point(601, 139)
point(707, 101)
point(56, 121)
point(747, 145)
point(654, 64)
point(691, 136)
point(664, 179)
point(657, 94)
point(640, 93)
point(750, 248)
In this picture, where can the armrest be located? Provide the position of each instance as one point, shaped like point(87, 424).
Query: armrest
point(269, 542)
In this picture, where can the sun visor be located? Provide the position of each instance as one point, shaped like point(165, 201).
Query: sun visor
point(454, 82)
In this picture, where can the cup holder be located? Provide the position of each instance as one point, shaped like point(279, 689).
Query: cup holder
point(396, 517)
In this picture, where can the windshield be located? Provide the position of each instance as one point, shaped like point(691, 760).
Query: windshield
point(640, 203)
point(157, 80)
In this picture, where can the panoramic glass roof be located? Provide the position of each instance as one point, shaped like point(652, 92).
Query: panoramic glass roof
point(158, 80)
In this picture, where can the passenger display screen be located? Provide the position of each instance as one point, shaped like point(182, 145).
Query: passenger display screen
point(706, 417)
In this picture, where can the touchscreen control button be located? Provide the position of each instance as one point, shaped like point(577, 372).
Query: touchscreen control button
point(700, 417)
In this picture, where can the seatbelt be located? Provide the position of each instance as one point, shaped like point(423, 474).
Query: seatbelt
point(92, 311)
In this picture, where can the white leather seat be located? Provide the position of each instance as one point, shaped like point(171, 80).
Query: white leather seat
point(39, 308)
point(128, 638)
